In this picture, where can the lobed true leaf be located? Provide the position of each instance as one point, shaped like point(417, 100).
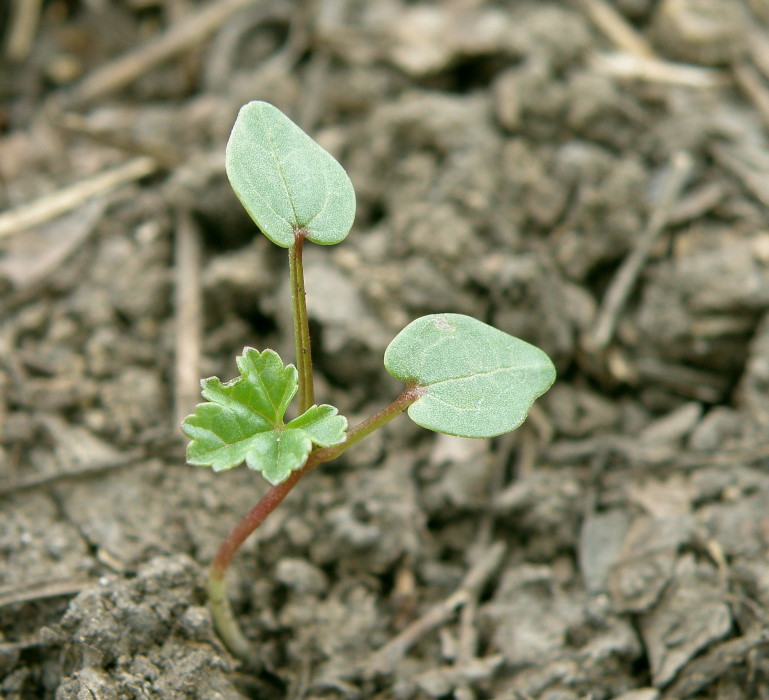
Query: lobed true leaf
point(243, 421)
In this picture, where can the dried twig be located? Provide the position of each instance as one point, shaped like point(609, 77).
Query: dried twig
point(64, 200)
point(384, 660)
point(23, 25)
point(167, 155)
point(697, 202)
point(622, 285)
point(749, 79)
point(707, 668)
point(42, 480)
point(631, 67)
point(467, 634)
point(467, 642)
point(753, 175)
point(701, 385)
point(188, 311)
point(30, 591)
point(617, 29)
point(180, 37)
point(36, 257)
point(759, 52)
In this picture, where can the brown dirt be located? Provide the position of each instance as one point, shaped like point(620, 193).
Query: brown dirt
point(511, 159)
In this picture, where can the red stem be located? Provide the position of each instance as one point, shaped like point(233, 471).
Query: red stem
point(225, 621)
point(251, 521)
point(276, 494)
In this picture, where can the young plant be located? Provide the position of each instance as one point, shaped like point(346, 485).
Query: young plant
point(462, 377)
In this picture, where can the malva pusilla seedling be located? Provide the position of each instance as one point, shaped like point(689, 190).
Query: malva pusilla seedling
point(462, 376)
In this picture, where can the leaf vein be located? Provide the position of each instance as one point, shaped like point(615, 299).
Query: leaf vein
point(484, 373)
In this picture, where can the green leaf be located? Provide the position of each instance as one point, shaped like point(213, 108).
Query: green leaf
point(243, 421)
point(285, 180)
point(475, 380)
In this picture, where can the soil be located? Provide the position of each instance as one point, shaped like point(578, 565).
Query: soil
point(589, 176)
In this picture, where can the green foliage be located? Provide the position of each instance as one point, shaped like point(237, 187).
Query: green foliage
point(476, 380)
point(243, 421)
point(285, 180)
point(463, 377)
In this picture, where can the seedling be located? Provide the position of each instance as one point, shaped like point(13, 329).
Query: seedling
point(462, 377)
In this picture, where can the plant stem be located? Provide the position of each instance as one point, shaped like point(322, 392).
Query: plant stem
point(221, 610)
point(410, 394)
point(301, 325)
